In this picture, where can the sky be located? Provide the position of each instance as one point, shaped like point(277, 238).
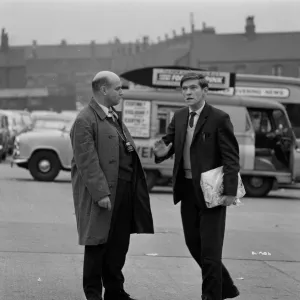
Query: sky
point(80, 21)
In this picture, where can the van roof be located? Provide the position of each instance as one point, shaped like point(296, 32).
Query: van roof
point(268, 79)
point(213, 99)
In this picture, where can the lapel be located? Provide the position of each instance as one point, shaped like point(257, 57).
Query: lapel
point(124, 128)
point(183, 121)
point(99, 111)
point(202, 119)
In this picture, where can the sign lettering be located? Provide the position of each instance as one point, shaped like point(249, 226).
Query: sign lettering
point(147, 152)
point(136, 116)
point(172, 77)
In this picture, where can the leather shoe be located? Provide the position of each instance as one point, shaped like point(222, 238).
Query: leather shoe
point(234, 292)
point(117, 295)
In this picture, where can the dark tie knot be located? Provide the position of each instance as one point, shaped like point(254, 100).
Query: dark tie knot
point(192, 116)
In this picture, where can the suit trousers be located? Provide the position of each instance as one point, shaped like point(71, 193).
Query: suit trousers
point(204, 235)
point(103, 263)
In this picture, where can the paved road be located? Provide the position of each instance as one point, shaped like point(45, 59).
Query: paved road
point(40, 258)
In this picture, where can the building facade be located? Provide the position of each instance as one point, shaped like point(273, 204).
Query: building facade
point(246, 52)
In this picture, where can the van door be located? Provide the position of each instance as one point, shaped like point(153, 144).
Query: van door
point(244, 133)
point(288, 142)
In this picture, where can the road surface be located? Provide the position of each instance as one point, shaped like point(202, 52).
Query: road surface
point(41, 260)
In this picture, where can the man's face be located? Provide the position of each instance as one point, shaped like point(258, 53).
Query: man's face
point(114, 92)
point(192, 92)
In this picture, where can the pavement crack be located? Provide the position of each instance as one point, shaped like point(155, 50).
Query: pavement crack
point(282, 272)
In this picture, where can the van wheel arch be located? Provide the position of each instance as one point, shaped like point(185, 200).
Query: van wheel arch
point(257, 186)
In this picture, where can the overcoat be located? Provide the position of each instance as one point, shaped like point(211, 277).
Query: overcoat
point(94, 173)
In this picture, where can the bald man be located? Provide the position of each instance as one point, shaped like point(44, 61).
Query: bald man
point(110, 193)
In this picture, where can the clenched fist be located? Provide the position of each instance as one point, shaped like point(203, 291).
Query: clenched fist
point(105, 203)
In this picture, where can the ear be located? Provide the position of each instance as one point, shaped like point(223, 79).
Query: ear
point(103, 90)
point(205, 90)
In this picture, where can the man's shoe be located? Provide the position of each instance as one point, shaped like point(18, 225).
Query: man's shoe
point(232, 294)
point(117, 295)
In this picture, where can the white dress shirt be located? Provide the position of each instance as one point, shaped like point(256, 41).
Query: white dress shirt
point(109, 112)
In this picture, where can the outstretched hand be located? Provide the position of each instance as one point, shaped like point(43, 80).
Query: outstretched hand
point(161, 149)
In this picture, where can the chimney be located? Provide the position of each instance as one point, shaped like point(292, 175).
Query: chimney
point(192, 22)
point(63, 42)
point(137, 46)
point(33, 49)
point(145, 41)
point(166, 37)
point(4, 41)
point(250, 26)
point(183, 30)
point(158, 39)
point(174, 33)
point(207, 29)
point(93, 48)
point(117, 40)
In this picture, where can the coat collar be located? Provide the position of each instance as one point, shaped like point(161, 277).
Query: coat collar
point(96, 107)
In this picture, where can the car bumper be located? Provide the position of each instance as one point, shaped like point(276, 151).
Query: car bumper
point(19, 161)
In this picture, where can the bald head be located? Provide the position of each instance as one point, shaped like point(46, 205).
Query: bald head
point(107, 88)
point(104, 78)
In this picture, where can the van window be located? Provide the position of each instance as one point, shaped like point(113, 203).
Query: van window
point(162, 122)
point(293, 111)
point(238, 117)
point(260, 121)
point(164, 117)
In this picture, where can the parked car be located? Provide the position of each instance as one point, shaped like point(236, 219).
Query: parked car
point(4, 136)
point(46, 149)
point(26, 118)
point(18, 122)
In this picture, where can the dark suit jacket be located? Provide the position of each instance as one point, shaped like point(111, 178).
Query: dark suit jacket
point(214, 144)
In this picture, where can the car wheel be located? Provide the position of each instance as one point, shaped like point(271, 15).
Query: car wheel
point(256, 186)
point(44, 166)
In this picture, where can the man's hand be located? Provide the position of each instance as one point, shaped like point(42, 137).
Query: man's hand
point(105, 203)
point(228, 200)
point(161, 149)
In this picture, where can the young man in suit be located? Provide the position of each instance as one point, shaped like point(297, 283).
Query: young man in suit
point(202, 138)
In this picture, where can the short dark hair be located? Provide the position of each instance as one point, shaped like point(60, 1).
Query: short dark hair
point(97, 83)
point(203, 82)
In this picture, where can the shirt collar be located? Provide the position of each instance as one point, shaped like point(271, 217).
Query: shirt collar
point(104, 108)
point(108, 111)
point(198, 111)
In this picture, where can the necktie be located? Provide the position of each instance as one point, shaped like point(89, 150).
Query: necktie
point(192, 116)
point(113, 115)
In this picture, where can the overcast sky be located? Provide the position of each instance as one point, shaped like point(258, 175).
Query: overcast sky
point(49, 21)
